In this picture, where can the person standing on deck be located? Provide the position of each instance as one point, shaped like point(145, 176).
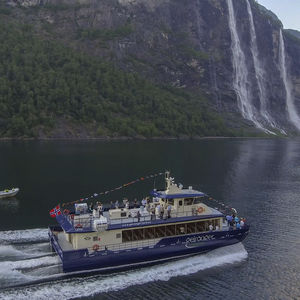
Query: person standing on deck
point(169, 208)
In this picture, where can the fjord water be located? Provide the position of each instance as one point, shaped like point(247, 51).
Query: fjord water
point(259, 177)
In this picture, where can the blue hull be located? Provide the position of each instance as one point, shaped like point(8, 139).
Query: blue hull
point(166, 249)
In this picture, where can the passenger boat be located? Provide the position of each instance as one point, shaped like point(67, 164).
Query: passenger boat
point(174, 223)
point(9, 193)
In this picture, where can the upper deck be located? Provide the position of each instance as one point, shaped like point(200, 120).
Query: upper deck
point(89, 223)
point(172, 205)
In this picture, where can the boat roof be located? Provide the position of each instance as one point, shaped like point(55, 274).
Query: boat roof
point(183, 193)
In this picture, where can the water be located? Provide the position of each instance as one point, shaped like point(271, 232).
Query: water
point(260, 178)
point(240, 77)
point(291, 109)
point(260, 75)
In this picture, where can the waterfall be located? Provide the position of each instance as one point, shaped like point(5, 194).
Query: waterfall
point(240, 82)
point(291, 109)
point(259, 73)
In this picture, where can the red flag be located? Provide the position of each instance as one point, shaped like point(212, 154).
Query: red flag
point(55, 212)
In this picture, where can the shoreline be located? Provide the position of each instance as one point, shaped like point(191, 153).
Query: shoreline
point(124, 138)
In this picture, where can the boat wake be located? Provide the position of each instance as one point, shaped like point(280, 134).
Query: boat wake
point(42, 269)
point(23, 236)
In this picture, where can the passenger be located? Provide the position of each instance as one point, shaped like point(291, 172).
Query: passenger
point(144, 202)
point(217, 228)
point(242, 223)
point(111, 205)
point(158, 210)
point(165, 215)
point(210, 227)
point(152, 213)
point(138, 215)
point(236, 219)
point(117, 204)
point(238, 225)
point(162, 210)
point(169, 208)
point(95, 213)
point(100, 208)
point(91, 207)
point(135, 203)
point(148, 207)
point(229, 220)
point(127, 204)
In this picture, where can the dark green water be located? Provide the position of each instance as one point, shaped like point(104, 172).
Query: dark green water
point(260, 178)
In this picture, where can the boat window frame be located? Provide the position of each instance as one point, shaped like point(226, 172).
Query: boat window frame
point(162, 231)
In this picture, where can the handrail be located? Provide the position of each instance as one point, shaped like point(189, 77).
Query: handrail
point(86, 222)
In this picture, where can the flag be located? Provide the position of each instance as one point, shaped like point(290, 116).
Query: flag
point(55, 212)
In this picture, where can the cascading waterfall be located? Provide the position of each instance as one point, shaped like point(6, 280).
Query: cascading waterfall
point(260, 74)
point(291, 109)
point(240, 82)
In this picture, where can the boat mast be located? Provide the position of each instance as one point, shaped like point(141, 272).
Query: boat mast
point(168, 180)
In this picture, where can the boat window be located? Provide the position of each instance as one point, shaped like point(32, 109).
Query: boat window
point(160, 231)
point(126, 236)
point(149, 233)
point(198, 200)
point(137, 235)
point(191, 227)
point(171, 201)
point(180, 202)
point(166, 230)
point(207, 223)
point(170, 230)
point(123, 214)
point(200, 226)
point(180, 229)
point(188, 201)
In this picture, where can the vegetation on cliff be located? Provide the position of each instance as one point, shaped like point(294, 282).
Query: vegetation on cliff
point(42, 81)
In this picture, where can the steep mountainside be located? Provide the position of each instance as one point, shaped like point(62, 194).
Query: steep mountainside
point(211, 56)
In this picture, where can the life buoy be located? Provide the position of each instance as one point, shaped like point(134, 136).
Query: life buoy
point(78, 226)
point(66, 211)
point(96, 247)
point(200, 210)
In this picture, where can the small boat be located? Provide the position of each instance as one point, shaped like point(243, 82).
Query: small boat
point(9, 193)
point(174, 223)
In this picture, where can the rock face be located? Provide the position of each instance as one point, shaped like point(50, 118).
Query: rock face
point(187, 44)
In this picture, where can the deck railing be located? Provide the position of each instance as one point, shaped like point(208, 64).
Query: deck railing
point(84, 222)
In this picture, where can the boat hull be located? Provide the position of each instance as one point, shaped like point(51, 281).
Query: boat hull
point(10, 193)
point(166, 249)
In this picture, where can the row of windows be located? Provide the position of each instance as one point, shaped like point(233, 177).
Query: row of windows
point(167, 230)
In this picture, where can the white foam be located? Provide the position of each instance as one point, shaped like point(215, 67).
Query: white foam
point(22, 236)
point(89, 286)
point(26, 251)
point(28, 263)
point(10, 251)
point(12, 272)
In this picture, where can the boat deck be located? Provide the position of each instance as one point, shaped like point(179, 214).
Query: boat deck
point(64, 244)
point(86, 221)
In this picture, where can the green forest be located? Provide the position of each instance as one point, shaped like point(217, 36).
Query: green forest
point(43, 81)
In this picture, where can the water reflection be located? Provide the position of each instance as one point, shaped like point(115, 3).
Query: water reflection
point(9, 204)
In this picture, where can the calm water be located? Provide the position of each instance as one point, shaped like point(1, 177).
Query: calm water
point(260, 178)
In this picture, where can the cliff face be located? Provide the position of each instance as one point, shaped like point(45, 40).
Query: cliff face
point(188, 44)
